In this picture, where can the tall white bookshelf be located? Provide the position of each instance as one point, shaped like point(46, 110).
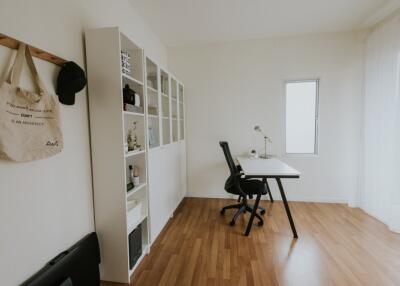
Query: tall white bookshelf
point(111, 122)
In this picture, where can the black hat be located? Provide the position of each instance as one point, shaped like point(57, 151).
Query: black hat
point(71, 80)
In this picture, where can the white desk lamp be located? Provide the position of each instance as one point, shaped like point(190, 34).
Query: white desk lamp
point(258, 129)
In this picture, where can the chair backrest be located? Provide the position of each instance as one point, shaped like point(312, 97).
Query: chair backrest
point(232, 184)
point(231, 164)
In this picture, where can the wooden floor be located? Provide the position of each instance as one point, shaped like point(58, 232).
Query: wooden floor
point(336, 246)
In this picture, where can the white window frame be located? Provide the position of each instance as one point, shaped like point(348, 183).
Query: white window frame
point(316, 140)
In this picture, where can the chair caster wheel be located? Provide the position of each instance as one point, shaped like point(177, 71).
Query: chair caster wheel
point(262, 212)
point(260, 223)
point(222, 212)
point(232, 223)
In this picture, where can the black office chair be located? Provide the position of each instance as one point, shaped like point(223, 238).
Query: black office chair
point(236, 185)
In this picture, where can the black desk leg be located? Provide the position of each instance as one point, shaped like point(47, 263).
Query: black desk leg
point(253, 214)
point(269, 191)
point(278, 180)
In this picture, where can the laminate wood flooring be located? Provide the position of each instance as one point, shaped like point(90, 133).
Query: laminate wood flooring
point(337, 245)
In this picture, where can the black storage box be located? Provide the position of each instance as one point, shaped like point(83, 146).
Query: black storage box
point(135, 246)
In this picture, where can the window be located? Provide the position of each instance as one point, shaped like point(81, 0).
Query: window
point(301, 117)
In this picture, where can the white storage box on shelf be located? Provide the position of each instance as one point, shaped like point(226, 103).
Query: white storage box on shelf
point(134, 213)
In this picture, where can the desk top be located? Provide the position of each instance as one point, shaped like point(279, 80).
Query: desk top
point(273, 168)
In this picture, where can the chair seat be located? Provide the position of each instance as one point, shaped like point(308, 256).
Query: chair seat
point(253, 187)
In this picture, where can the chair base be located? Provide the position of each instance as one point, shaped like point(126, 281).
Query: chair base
point(242, 208)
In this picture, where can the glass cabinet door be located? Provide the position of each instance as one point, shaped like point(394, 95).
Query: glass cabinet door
point(153, 110)
point(174, 109)
point(181, 108)
point(165, 106)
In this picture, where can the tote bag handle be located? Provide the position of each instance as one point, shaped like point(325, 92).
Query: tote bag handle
point(15, 74)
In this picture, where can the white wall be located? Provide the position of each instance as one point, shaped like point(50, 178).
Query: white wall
point(232, 87)
point(379, 193)
point(46, 206)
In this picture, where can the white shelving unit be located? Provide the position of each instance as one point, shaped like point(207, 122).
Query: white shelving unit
point(110, 126)
point(167, 164)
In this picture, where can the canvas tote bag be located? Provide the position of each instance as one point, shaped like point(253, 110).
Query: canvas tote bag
point(29, 122)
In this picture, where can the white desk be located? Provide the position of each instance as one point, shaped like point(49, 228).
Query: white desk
point(264, 169)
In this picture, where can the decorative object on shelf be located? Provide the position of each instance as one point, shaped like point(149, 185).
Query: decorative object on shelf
point(152, 137)
point(129, 95)
point(132, 175)
point(125, 64)
point(129, 186)
point(129, 141)
point(132, 139)
point(266, 138)
point(30, 121)
point(126, 147)
point(131, 100)
point(70, 81)
point(254, 154)
point(137, 100)
point(136, 179)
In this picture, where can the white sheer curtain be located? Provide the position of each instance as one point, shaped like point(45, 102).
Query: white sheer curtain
point(380, 186)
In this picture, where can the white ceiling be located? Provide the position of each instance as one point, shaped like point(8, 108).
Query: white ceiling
point(190, 22)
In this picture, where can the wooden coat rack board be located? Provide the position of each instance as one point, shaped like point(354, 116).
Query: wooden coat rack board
point(13, 44)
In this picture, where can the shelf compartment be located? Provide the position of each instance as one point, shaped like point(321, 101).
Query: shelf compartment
point(135, 189)
point(174, 89)
point(164, 82)
point(139, 161)
point(129, 125)
point(131, 79)
point(138, 89)
point(180, 93)
point(132, 225)
point(136, 58)
point(165, 106)
point(145, 250)
point(181, 112)
point(152, 104)
point(152, 75)
point(174, 110)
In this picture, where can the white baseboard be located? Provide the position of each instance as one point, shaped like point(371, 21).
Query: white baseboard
point(293, 198)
